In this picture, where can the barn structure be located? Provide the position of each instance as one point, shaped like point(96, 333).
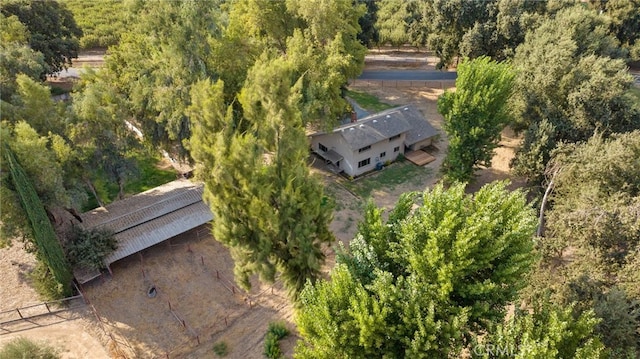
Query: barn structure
point(147, 219)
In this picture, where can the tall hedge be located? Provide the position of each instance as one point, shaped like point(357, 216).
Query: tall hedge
point(48, 248)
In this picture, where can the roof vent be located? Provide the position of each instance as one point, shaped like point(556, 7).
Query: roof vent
point(406, 108)
point(361, 126)
point(388, 116)
point(375, 121)
point(351, 129)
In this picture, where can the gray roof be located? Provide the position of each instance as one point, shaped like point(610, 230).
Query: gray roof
point(386, 124)
point(331, 156)
point(374, 128)
point(421, 129)
point(151, 217)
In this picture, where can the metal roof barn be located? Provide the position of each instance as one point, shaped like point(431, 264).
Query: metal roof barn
point(148, 218)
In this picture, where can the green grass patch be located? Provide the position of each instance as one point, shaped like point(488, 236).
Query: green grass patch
point(397, 173)
point(368, 101)
point(149, 175)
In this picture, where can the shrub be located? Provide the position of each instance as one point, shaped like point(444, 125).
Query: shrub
point(45, 284)
point(276, 331)
point(21, 348)
point(88, 248)
point(220, 349)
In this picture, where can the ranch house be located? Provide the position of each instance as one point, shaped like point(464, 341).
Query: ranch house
point(366, 144)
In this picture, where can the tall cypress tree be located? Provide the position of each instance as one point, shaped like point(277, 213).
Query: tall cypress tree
point(49, 250)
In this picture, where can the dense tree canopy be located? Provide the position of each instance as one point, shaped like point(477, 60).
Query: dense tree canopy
point(52, 30)
point(545, 331)
point(415, 285)
point(475, 114)
point(16, 57)
point(592, 232)
point(625, 22)
point(569, 84)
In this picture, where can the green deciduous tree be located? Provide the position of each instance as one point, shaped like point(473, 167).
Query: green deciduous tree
point(475, 114)
point(544, 331)
point(450, 20)
point(156, 63)
point(16, 57)
point(88, 248)
point(416, 285)
point(52, 30)
point(591, 240)
point(624, 24)
point(568, 76)
point(99, 132)
point(369, 35)
point(503, 30)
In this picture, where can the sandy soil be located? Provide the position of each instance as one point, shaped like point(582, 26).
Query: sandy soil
point(67, 331)
point(193, 272)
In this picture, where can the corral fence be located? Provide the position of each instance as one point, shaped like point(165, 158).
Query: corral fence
point(40, 309)
point(404, 84)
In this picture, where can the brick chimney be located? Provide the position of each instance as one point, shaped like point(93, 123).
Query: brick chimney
point(354, 117)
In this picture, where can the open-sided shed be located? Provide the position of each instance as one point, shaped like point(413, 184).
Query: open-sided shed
point(147, 219)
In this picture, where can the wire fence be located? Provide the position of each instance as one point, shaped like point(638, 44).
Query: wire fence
point(40, 309)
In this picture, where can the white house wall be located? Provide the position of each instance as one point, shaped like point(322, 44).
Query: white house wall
point(334, 141)
point(374, 153)
point(349, 164)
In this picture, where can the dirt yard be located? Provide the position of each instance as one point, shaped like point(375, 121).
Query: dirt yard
point(196, 301)
point(349, 206)
point(69, 331)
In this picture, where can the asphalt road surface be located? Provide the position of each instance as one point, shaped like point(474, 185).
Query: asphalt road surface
point(408, 75)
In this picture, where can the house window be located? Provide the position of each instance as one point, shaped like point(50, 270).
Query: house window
point(364, 162)
point(365, 148)
point(383, 154)
point(322, 147)
point(394, 138)
point(396, 149)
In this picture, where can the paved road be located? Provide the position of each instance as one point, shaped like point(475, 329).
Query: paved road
point(408, 75)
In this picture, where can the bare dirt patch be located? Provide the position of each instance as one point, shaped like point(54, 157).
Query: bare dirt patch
point(67, 331)
point(197, 302)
